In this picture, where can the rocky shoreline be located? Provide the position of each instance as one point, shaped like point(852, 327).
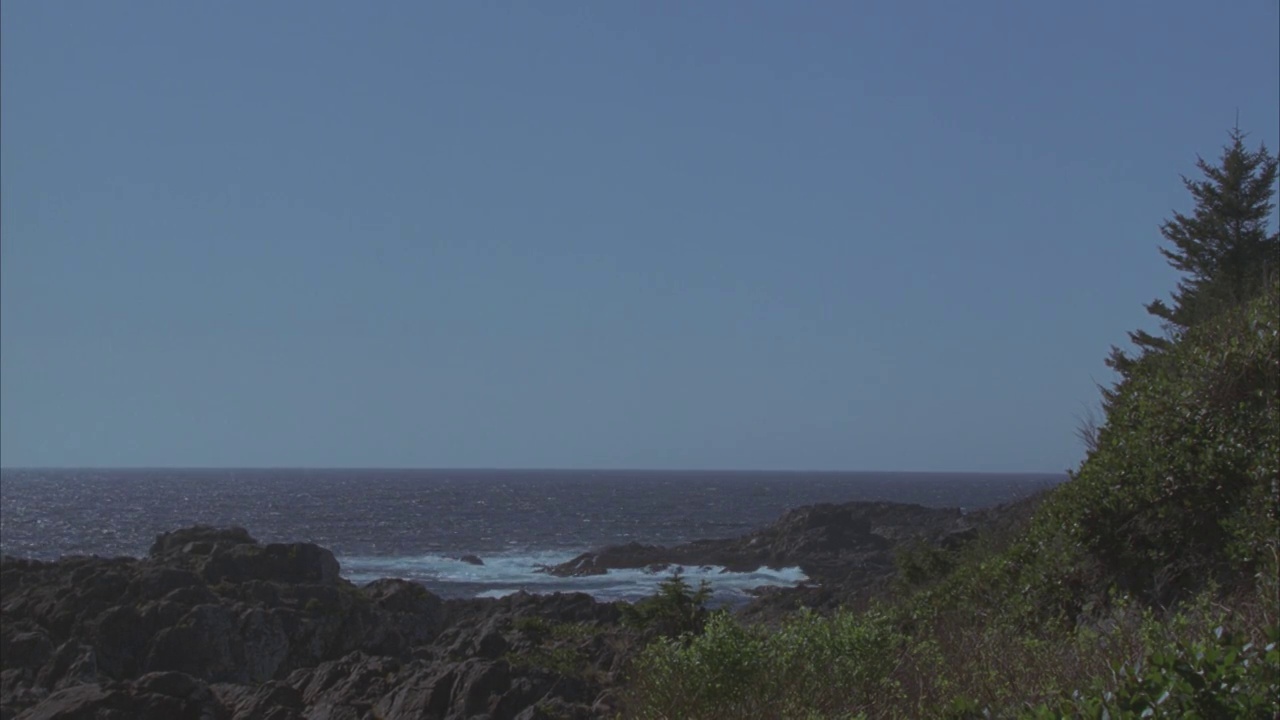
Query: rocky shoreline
point(212, 624)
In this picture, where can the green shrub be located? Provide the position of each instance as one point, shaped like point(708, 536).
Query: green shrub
point(1182, 485)
point(533, 625)
point(1180, 492)
point(809, 667)
point(1219, 676)
point(920, 564)
point(562, 659)
point(558, 645)
point(1146, 586)
point(676, 609)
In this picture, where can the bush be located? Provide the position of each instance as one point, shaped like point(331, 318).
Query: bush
point(1146, 586)
point(676, 609)
point(810, 667)
point(1219, 676)
point(1181, 489)
point(1180, 493)
point(920, 564)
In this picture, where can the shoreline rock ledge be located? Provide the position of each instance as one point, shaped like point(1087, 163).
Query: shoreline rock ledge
point(213, 625)
point(828, 542)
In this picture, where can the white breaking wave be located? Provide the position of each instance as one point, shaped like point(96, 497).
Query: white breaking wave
point(502, 575)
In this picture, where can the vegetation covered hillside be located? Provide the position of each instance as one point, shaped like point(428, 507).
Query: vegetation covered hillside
point(1146, 586)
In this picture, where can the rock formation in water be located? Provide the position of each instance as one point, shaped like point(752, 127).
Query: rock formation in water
point(846, 550)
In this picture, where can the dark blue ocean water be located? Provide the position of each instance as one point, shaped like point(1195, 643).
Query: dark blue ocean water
point(416, 523)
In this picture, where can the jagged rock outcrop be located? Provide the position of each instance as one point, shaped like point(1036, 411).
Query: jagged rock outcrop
point(213, 624)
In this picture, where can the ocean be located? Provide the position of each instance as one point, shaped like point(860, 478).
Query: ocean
point(416, 524)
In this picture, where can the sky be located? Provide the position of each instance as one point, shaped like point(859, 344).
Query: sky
point(715, 235)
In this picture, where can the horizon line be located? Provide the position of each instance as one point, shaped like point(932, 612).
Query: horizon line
point(473, 469)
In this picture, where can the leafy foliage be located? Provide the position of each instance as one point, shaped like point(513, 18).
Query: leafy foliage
point(1220, 676)
point(1182, 483)
point(810, 667)
point(918, 564)
point(555, 646)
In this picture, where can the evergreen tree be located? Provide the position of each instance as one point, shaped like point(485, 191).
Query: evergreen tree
point(1222, 249)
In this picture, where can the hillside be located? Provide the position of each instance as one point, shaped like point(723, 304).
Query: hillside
point(1144, 586)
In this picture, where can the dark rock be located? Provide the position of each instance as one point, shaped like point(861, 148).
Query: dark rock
point(274, 700)
point(167, 697)
point(522, 693)
point(272, 627)
point(425, 693)
point(282, 563)
point(214, 625)
point(356, 681)
point(173, 684)
point(823, 540)
point(202, 539)
point(264, 644)
point(81, 701)
point(414, 612)
point(479, 685)
point(199, 644)
point(159, 581)
point(27, 651)
point(71, 664)
point(119, 636)
point(16, 693)
point(191, 596)
point(472, 560)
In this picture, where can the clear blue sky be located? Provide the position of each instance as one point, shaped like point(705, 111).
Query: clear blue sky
point(865, 236)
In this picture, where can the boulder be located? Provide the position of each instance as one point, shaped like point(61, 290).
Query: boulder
point(200, 540)
point(277, 562)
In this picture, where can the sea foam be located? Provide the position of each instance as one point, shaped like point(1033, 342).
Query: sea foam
point(505, 574)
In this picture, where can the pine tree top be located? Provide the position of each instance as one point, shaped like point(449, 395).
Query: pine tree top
point(1222, 248)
